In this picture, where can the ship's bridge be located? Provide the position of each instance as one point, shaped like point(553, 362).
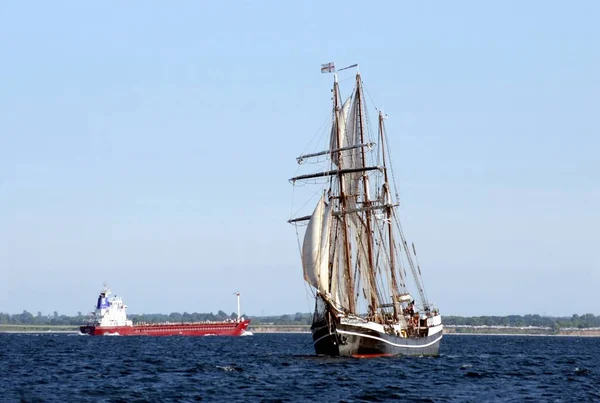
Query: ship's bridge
point(110, 311)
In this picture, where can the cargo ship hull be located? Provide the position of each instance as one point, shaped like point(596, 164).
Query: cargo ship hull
point(110, 318)
point(182, 329)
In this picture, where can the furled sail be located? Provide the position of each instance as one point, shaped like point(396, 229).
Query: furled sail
point(315, 248)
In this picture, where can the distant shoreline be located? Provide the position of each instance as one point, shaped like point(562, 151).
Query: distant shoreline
point(580, 334)
point(257, 329)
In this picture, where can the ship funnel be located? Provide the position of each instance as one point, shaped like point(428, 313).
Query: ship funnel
point(102, 302)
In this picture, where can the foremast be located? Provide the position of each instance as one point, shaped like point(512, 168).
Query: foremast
point(348, 276)
point(367, 204)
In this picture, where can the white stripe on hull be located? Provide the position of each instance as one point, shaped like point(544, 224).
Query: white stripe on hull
point(387, 341)
point(321, 338)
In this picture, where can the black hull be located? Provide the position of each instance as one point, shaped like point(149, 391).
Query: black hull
point(353, 341)
point(332, 338)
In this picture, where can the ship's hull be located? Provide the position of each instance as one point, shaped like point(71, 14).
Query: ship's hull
point(338, 336)
point(182, 329)
point(356, 341)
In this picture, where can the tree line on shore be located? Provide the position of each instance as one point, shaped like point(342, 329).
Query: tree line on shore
point(585, 321)
point(27, 318)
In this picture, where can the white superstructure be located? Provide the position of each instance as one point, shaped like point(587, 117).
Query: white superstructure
point(110, 311)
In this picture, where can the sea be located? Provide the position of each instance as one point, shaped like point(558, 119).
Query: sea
point(282, 367)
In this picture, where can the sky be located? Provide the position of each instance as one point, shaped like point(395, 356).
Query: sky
point(149, 145)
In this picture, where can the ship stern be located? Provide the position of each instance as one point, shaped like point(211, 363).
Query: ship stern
point(87, 329)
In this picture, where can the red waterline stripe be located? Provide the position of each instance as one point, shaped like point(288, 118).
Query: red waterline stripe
point(371, 355)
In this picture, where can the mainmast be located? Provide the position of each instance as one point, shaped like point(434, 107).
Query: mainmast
point(389, 212)
point(366, 203)
point(346, 241)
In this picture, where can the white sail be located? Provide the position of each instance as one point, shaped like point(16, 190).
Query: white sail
point(315, 248)
point(362, 259)
point(338, 281)
point(341, 118)
point(352, 158)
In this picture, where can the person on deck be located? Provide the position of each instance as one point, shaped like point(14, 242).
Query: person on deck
point(411, 308)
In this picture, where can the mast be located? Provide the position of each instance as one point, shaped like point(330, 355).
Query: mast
point(237, 293)
point(347, 265)
point(388, 209)
point(366, 203)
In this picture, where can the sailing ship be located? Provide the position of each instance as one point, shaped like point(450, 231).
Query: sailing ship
point(354, 252)
point(110, 318)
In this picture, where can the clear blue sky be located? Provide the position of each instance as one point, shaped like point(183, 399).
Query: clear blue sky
point(148, 144)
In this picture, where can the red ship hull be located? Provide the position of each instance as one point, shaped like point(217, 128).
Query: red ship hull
point(171, 329)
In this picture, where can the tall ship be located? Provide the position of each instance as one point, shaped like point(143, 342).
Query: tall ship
point(110, 318)
point(355, 255)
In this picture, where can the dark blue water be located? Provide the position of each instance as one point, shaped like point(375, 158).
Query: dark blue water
point(282, 367)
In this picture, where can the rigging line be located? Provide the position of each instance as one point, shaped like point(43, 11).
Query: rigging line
point(360, 270)
point(336, 273)
point(370, 272)
point(318, 132)
point(292, 206)
point(311, 291)
point(399, 258)
point(386, 259)
point(382, 284)
point(394, 286)
point(344, 80)
point(307, 288)
point(298, 239)
point(366, 114)
point(395, 190)
point(299, 167)
point(370, 98)
point(390, 167)
point(308, 302)
point(294, 212)
point(418, 283)
point(418, 266)
point(310, 182)
point(306, 203)
point(357, 281)
point(368, 125)
point(380, 288)
point(369, 95)
point(381, 293)
point(418, 276)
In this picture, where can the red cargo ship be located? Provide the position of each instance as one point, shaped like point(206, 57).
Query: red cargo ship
point(110, 318)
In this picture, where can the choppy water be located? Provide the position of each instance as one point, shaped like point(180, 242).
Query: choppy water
point(282, 367)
